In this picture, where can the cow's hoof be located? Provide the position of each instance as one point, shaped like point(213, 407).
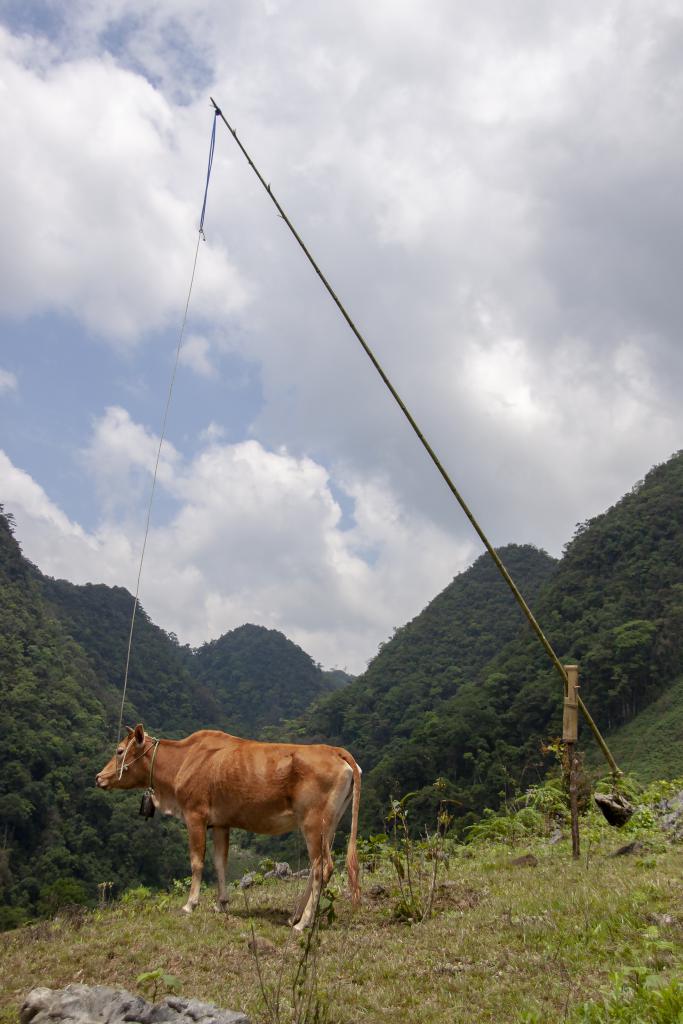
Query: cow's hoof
point(188, 908)
point(221, 907)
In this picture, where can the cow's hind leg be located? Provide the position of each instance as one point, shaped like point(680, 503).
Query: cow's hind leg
point(301, 905)
point(196, 831)
point(319, 829)
point(221, 845)
point(315, 841)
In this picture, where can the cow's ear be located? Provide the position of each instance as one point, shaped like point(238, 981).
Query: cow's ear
point(139, 735)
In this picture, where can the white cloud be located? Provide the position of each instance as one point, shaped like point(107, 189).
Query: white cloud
point(195, 354)
point(214, 432)
point(96, 220)
point(253, 536)
point(8, 381)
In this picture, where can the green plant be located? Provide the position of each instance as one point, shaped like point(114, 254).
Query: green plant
point(510, 827)
point(151, 982)
point(417, 861)
point(137, 896)
point(637, 997)
point(373, 850)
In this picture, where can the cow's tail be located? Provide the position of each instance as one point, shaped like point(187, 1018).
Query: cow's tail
point(352, 852)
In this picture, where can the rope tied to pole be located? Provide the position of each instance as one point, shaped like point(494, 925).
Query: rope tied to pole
point(212, 146)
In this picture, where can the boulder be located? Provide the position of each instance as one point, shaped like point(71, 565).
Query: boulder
point(635, 847)
point(281, 870)
point(671, 815)
point(98, 1004)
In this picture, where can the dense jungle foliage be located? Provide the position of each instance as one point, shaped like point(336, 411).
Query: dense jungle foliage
point(59, 836)
point(258, 678)
point(463, 692)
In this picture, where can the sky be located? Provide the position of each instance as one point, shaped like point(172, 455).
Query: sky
point(493, 191)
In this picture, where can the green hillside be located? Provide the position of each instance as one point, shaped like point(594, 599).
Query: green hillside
point(250, 678)
point(60, 835)
point(257, 678)
point(160, 685)
point(419, 670)
point(448, 702)
point(651, 744)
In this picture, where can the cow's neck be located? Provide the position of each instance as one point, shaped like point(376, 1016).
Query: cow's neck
point(169, 759)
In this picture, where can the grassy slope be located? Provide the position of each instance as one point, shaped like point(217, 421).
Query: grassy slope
point(505, 941)
point(652, 743)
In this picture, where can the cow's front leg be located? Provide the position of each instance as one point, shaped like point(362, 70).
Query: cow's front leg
point(196, 832)
point(221, 845)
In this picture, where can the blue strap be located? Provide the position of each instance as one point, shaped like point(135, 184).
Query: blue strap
point(212, 146)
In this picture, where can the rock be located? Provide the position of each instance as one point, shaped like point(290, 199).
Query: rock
point(526, 860)
point(377, 892)
point(662, 920)
point(615, 807)
point(556, 837)
point(281, 870)
point(246, 881)
point(261, 947)
point(304, 873)
point(671, 815)
point(623, 851)
point(98, 1004)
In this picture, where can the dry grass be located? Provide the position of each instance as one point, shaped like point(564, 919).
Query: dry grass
point(503, 941)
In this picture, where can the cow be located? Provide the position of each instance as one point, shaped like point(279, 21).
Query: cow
point(214, 780)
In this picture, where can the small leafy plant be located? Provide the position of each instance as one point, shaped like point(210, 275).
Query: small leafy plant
point(151, 983)
point(417, 861)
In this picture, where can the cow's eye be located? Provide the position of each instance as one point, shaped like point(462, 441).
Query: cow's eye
point(119, 752)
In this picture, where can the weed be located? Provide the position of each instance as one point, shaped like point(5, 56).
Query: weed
point(417, 862)
point(152, 982)
point(136, 897)
point(636, 997)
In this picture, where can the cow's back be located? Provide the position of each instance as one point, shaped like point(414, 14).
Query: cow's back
point(260, 787)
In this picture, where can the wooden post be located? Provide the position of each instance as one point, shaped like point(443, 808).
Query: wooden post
point(570, 734)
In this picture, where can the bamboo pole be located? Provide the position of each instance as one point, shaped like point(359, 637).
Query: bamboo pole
point(570, 734)
point(428, 448)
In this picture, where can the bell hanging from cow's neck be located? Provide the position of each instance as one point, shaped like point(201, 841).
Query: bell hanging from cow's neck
point(147, 807)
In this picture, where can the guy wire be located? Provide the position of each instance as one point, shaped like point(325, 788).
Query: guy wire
point(162, 435)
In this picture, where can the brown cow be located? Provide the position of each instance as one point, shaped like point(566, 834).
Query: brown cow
point(213, 780)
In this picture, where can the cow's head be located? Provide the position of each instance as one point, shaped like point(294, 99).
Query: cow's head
point(129, 767)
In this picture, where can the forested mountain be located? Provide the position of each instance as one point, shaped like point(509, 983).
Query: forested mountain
point(423, 666)
point(444, 702)
point(160, 688)
point(62, 656)
point(257, 678)
point(249, 678)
